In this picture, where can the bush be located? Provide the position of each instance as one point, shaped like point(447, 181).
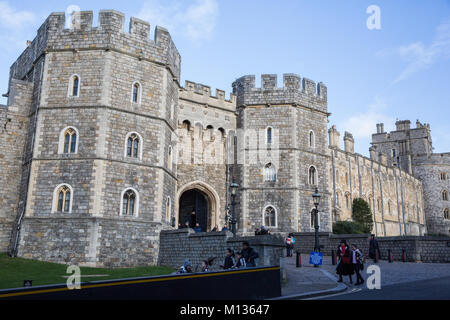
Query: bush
point(362, 214)
point(348, 227)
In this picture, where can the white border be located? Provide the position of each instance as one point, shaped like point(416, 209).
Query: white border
point(62, 139)
point(141, 145)
point(264, 217)
point(55, 198)
point(70, 89)
point(136, 212)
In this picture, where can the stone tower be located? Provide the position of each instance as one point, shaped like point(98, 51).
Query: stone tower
point(103, 122)
point(282, 153)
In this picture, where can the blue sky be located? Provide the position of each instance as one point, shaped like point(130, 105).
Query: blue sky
point(401, 71)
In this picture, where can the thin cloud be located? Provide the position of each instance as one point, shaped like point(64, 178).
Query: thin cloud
point(11, 18)
point(420, 56)
point(363, 125)
point(197, 21)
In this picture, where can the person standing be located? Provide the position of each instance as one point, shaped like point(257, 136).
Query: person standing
point(240, 261)
point(345, 267)
point(357, 262)
point(193, 219)
point(249, 254)
point(289, 245)
point(374, 250)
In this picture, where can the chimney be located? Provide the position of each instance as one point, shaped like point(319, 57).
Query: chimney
point(333, 136)
point(349, 142)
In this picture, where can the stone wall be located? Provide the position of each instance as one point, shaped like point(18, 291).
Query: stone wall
point(90, 241)
point(178, 245)
point(417, 249)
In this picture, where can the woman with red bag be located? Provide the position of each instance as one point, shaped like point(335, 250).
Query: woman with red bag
point(345, 266)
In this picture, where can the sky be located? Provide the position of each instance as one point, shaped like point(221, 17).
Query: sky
point(398, 71)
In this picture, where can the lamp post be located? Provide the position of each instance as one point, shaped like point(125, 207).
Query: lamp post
point(233, 186)
point(316, 200)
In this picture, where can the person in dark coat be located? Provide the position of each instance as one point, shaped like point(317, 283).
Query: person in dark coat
point(345, 267)
point(186, 225)
point(193, 219)
point(357, 262)
point(180, 226)
point(249, 254)
point(374, 250)
point(197, 228)
point(215, 229)
point(225, 228)
point(229, 260)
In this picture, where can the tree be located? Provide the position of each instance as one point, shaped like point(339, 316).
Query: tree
point(347, 227)
point(362, 214)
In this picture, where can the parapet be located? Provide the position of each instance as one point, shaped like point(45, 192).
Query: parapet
point(109, 34)
point(199, 93)
point(295, 90)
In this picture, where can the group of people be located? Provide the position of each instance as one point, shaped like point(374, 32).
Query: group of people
point(198, 228)
point(261, 232)
point(245, 258)
point(351, 261)
point(193, 224)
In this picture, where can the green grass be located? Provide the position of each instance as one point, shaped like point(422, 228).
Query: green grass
point(14, 270)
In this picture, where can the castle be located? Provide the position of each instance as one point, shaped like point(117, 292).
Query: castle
point(101, 148)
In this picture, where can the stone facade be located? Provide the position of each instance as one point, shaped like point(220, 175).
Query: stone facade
point(107, 86)
point(411, 150)
point(395, 196)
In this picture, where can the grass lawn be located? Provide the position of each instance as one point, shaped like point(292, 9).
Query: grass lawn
point(14, 270)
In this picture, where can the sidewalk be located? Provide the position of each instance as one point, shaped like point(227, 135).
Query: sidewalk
point(307, 281)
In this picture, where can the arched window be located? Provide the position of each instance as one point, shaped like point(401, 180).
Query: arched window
point(70, 141)
point(136, 93)
point(443, 176)
point(74, 86)
point(187, 125)
point(270, 216)
point(446, 214)
point(311, 139)
point(337, 199)
point(170, 157)
point(270, 173)
point(62, 199)
point(130, 203)
point(269, 135)
point(312, 176)
point(346, 178)
point(133, 147)
point(445, 195)
point(168, 209)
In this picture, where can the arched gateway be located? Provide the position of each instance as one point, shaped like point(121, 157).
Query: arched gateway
point(203, 199)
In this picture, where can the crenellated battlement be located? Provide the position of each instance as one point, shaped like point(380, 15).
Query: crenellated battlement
point(295, 90)
point(80, 34)
point(202, 94)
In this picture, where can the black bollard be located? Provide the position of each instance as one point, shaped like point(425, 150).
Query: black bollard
point(390, 257)
point(298, 260)
point(333, 258)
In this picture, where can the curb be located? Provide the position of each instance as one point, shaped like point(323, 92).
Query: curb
point(341, 287)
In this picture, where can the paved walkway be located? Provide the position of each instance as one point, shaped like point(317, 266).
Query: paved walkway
point(305, 279)
point(308, 279)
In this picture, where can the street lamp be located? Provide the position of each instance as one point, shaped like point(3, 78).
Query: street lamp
point(316, 200)
point(233, 186)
